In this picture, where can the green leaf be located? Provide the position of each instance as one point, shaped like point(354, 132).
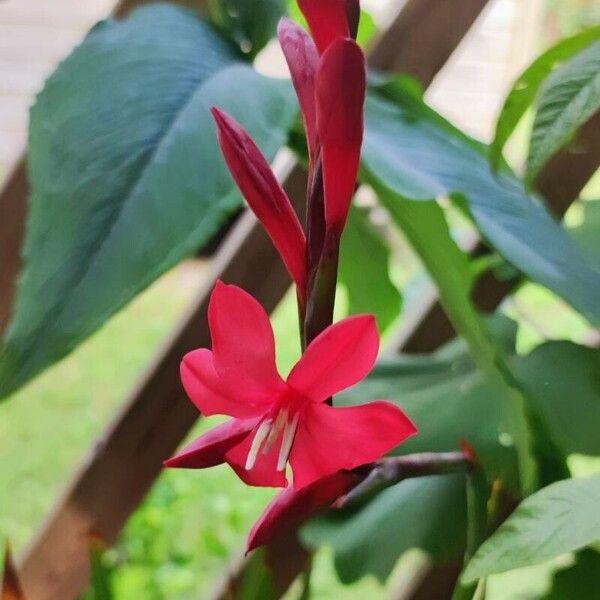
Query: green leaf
point(579, 581)
point(560, 518)
point(364, 270)
point(125, 173)
point(586, 233)
point(415, 153)
point(568, 397)
point(427, 513)
point(568, 98)
point(525, 88)
point(448, 399)
point(449, 267)
point(250, 23)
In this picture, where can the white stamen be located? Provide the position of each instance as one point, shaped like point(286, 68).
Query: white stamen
point(286, 444)
point(280, 423)
point(259, 436)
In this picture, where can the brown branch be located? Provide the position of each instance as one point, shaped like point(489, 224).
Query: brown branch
point(392, 470)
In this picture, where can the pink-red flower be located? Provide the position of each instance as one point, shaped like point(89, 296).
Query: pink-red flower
point(291, 507)
point(276, 422)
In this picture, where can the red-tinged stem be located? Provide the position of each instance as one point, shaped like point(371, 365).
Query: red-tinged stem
point(321, 292)
point(391, 470)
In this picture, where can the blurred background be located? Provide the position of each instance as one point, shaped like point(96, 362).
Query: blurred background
point(182, 538)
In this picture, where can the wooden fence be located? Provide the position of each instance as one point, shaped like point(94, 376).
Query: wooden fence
point(125, 461)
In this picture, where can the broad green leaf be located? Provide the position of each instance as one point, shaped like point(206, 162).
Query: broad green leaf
point(568, 98)
point(586, 234)
point(578, 582)
point(126, 176)
point(426, 513)
point(415, 153)
point(525, 88)
point(448, 399)
point(250, 23)
point(567, 397)
point(364, 270)
point(560, 518)
point(449, 267)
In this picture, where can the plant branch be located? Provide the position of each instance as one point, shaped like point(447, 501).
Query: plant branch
point(391, 470)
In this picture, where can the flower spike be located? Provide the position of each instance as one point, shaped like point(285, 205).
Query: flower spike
point(340, 125)
point(264, 195)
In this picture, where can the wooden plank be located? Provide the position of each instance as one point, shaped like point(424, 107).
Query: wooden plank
point(13, 202)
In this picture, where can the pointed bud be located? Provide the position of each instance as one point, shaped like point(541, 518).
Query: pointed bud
point(264, 195)
point(302, 58)
point(340, 125)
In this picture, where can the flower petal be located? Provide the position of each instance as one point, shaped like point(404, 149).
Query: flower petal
point(327, 19)
point(264, 195)
point(302, 58)
point(243, 344)
point(331, 439)
point(337, 358)
point(340, 125)
point(210, 393)
point(292, 507)
point(209, 449)
point(264, 473)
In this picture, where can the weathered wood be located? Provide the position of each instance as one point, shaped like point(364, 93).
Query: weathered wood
point(13, 208)
point(423, 36)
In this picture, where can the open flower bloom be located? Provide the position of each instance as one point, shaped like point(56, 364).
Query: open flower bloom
point(291, 507)
point(276, 421)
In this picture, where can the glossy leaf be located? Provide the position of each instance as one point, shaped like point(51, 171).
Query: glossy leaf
point(125, 177)
point(586, 233)
point(560, 518)
point(525, 88)
point(250, 23)
point(567, 397)
point(427, 513)
point(568, 98)
point(425, 227)
point(448, 399)
point(416, 154)
point(579, 580)
point(364, 271)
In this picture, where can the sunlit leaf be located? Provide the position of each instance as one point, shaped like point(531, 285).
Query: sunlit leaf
point(568, 98)
point(560, 518)
point(525, 88)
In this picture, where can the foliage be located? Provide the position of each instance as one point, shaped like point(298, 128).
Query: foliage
point(527, 85)
point(567, 99)
point(126, 182)
point(114, 159)
point(560, 518)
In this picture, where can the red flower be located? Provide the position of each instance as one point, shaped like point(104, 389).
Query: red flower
point(292, 507)
point(277, 421)
point(330, 19)
point(333, 120)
